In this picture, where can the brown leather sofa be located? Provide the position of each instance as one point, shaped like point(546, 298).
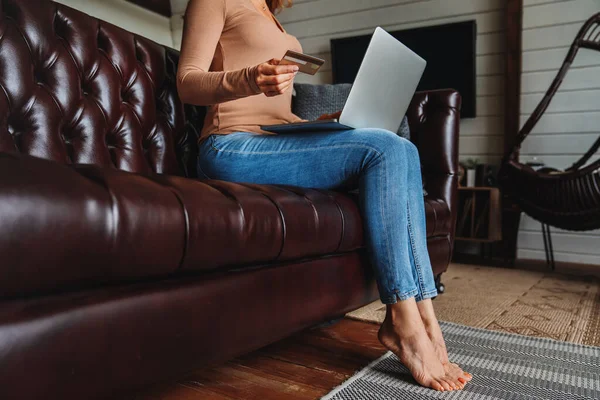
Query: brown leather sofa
point(117, 267)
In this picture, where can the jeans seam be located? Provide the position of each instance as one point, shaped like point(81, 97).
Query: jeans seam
point(382, 210)
point(412, 248)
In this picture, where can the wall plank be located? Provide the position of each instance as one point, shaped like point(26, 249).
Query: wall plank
point(559, 144)
point(527, 3)
point(576, 79)
point(550, 36)
point(530, 224)
point(552, 59)
point(490, 125)
point(576, 258)
point(485, 144)
point(561, 242)
point(561, 12)
point(582, 122)
point(565, 101)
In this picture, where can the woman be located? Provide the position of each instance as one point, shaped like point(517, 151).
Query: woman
point(225, 45)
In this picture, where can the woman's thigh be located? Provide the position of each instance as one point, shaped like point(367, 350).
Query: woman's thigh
point(325, 160)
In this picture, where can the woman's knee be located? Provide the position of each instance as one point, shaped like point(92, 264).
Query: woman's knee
point(387, 142)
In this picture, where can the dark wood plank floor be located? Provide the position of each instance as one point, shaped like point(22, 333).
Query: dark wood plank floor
point(305, 366)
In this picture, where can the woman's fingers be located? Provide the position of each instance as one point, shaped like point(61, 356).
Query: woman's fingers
point(268, 69)
point(279, 89)
point(272, 80)
point(276, 90)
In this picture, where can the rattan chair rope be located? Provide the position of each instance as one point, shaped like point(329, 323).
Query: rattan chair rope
point(567, 199)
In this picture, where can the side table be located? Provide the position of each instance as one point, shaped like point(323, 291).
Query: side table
point(479, 216)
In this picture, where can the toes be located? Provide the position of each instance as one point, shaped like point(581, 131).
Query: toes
point(455, 383)
point(449, 384)
point(455, 374)
point(455, 369)
point(445, 385)
point(465, 375)
point(435, 385)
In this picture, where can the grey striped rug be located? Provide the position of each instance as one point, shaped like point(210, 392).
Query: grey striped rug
point(504, 366)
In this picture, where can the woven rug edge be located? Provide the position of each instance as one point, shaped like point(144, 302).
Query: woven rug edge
point(358, 374)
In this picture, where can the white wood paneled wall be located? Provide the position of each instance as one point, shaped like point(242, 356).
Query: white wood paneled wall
point(128, 16)
point(572, 121)
point(315, 22)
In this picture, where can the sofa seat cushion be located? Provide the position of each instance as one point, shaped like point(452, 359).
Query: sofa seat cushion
point(233, 224)
point(64, 226)
point(438, 217)
point(68, 226)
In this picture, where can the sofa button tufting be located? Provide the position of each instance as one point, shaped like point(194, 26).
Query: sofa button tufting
point(65, 138)
point(37, 78)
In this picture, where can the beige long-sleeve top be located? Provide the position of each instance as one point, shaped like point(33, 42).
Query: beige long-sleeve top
point(223, 43)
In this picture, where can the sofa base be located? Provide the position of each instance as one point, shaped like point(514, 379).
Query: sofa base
point(99, 343)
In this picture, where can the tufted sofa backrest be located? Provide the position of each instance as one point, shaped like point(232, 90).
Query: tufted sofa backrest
point(75, 89)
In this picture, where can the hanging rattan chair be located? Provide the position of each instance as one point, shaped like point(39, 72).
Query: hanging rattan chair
point(567, 199)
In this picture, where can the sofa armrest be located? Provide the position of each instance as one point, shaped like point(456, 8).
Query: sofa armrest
point(434, 118)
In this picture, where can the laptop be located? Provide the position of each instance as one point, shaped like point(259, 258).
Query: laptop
point(383, 89)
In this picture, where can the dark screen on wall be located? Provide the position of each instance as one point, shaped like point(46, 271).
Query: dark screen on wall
point(449, 50)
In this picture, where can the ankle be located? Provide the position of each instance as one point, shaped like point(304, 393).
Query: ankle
point(429, 323)
point(402, 311)
point(403, 322)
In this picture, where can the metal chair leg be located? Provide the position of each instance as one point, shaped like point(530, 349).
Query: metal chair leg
point(545, 244)
point(550, 248)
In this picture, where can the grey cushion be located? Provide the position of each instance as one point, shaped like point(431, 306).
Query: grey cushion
point(312, 101)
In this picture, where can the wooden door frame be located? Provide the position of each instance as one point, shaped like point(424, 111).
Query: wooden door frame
point(512, 70)
point(511, 214)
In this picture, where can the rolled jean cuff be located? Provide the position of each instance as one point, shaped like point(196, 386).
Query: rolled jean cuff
point(426, 295)
point(394, 296)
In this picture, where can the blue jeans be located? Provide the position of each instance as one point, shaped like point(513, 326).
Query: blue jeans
point(383, 165)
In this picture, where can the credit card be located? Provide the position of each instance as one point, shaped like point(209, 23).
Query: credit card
point(307, 64)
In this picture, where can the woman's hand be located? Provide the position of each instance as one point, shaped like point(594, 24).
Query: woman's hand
point(335, 115)
point(274, 79)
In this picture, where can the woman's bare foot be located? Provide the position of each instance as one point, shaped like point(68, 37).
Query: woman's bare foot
point(404, 334)
point(434, 332)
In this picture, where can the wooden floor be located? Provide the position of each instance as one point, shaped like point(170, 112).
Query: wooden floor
point(305, 366)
